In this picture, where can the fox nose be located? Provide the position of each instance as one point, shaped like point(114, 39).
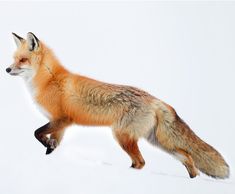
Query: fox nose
point(8, 70)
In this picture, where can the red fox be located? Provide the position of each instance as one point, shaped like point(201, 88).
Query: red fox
point(66, 98)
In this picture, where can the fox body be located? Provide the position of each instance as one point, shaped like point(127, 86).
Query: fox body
point(66, 98)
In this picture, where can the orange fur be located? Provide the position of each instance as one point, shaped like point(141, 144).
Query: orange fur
point(132, 113)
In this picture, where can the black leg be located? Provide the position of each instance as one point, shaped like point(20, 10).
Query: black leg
point(52, 127)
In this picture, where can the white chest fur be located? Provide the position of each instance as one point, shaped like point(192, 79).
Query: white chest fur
point(33, 92)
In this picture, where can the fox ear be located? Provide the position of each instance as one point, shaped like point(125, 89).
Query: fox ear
point(33, 42)
point(18, 39)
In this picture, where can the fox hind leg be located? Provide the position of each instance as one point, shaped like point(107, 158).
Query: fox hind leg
point(187, 161)
point(129, 144)
point(167, 143)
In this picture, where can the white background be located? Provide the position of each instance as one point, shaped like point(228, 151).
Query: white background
point(181, 52)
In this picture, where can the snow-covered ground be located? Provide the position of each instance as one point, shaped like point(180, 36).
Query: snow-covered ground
point(181, 52)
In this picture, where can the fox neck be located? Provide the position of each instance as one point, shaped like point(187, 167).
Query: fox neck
point(49, 69)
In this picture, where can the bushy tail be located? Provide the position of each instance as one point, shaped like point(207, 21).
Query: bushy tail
point(206, 158)
point(173, 133)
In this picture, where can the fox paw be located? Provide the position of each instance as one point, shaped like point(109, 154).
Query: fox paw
point(138, 165)
point(51, 145)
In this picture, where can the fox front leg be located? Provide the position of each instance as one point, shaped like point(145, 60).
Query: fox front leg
point(51, 128)
point(41, 135)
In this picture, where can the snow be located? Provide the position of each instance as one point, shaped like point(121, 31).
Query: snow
point(181, 52)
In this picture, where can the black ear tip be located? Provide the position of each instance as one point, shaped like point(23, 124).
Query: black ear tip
point(15, 35)
point(32, 34)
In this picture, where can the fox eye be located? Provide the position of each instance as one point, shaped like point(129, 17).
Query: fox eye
point(23, 60)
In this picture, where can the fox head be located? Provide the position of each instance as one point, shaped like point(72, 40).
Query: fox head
point(27, 57)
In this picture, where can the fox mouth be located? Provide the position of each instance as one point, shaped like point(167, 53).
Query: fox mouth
point(16, 73)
